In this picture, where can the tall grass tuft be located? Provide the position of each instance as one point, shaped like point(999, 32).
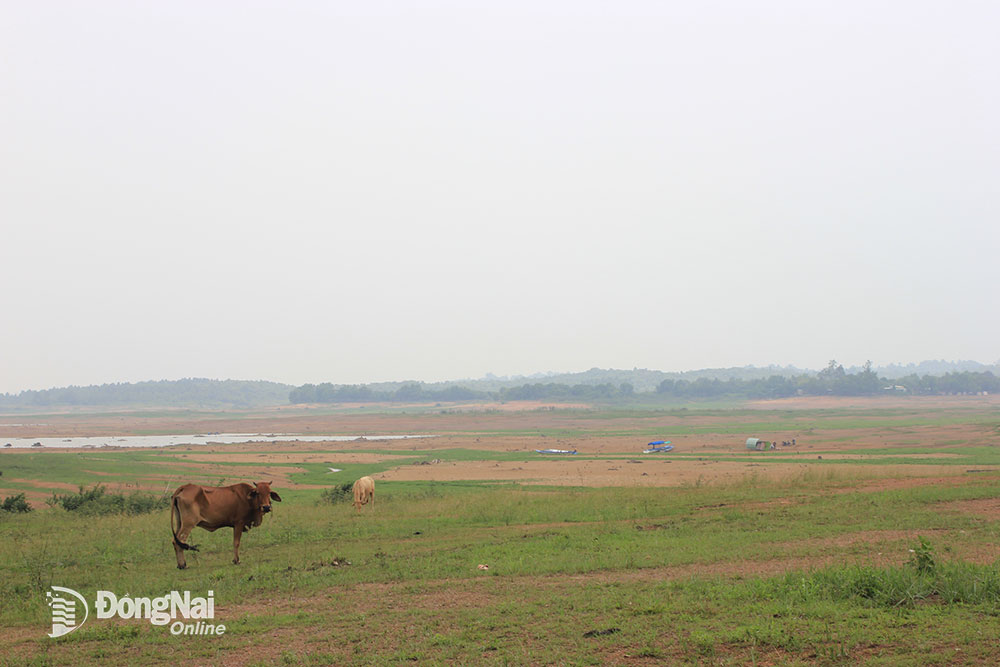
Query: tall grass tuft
point(921, 579)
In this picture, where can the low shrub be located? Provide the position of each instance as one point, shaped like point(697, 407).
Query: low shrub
point(97, 501)
point(336, 494)
point(15, 504)
point(922, 557)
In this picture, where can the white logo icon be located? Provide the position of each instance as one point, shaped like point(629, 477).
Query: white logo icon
point(64, 610)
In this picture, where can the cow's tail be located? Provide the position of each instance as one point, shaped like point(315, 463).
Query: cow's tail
point(175, 510)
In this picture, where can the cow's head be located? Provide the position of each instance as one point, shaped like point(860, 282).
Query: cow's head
point(260, 500)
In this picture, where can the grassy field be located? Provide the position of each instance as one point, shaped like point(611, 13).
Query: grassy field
point(875, 540)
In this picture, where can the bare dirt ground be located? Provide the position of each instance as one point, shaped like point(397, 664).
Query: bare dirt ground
point(875, 402)
point(647, 472)
point(305, 420)
point(987, 508)
point(508, 429)
point(498, 428)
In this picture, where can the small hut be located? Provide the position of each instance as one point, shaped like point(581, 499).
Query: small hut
point(756, 444)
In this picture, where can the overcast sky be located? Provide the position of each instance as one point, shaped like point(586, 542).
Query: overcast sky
point(368, 191)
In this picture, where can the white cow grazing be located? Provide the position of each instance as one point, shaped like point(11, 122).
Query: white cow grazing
point(364, 490)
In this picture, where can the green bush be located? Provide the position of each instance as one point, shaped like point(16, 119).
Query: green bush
point(336, 494)
point(15, 504)
point(97, 501)
point(922, 558)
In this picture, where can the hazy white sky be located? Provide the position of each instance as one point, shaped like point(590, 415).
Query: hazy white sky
point(366, 191)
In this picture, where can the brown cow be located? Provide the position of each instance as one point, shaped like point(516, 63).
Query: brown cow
point(240, 507)
point(364, 490)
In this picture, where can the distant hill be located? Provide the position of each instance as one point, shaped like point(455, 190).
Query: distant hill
point(190, 392)
point(204, 393)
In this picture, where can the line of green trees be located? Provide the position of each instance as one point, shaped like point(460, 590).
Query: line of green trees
point(831, 381)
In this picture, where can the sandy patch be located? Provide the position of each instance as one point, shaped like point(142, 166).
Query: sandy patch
point(988, 508)
point(868, 457)
point(902, 482)
point(41, 484)
point(874, 402)
point(324, 458)
point(568, 471)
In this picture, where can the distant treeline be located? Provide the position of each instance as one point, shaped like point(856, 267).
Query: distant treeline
point(950, 383)
point(595, 385)
point(191, 392)
point(832, 381)
point(416, 392)
point(359, 393)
